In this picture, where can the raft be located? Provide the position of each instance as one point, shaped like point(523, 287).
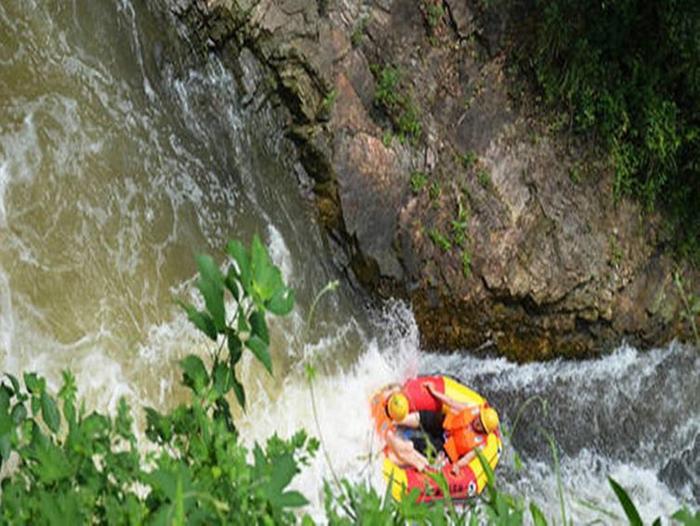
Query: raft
point(472, 478)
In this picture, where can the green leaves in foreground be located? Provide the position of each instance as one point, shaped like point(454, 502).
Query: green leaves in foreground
point(235, 307)
point(79, 469)
point(88, 472)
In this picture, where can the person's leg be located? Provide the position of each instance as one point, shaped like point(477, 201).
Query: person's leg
point(404, 452)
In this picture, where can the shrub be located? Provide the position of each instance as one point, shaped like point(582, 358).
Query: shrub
point(628, 74)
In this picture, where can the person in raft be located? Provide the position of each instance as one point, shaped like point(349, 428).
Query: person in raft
point(458, 431)
point(402, 450)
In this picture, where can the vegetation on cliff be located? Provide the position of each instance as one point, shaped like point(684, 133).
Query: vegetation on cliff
point(75, 467)
point(627, 73)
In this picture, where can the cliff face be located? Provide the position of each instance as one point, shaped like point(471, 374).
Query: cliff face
point(435, 186)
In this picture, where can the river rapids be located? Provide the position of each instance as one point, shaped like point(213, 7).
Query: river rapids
point(119, 161)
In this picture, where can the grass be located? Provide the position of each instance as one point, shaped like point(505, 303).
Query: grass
point(397, 104)
point(418, 181)
point(468, 159)
point(466, 263)
point(358, 32)
point(440, 240)
point(434, 191)
point(484, 178)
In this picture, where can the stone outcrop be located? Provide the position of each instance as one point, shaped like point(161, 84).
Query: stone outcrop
point(436, 186)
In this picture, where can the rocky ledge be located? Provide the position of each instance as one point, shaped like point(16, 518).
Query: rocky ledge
point(436, 186)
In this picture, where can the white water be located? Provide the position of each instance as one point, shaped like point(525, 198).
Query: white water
point(118, 166)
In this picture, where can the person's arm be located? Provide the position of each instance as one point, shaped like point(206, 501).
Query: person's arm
point(464, 461)
point(412, 420)
point(450, 402)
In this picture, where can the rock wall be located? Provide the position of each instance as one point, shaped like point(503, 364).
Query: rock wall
point(436, 186)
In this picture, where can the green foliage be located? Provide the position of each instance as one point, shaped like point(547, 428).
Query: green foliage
point(397, 104)
point(690, 306)
point(626, 502)
point(466, 263)
point(434, 191)
point(433, 12)
point(328, 101)
point(418, 181)
point(468, 159)
point(80, 468)
point(626, 73)
point(484, 178)
point(358, 32)
point(387, 138)
point(440, 240)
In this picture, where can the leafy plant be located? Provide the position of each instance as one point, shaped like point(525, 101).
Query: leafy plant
point(466, 263)
point(418, 181)
point(468, 159)
point(440, 240)
point(78, 468)
point(434, 12)
point(434, 191)
point(358, 31)
point(625, 74)
point(329, 100)
point(484, 178)
point(398, 105)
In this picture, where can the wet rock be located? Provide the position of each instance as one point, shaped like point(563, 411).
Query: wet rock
point(440, 190)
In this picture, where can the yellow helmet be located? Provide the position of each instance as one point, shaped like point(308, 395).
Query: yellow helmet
point(397, 406)
point(489, 419)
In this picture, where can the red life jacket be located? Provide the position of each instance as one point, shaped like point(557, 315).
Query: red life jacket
point(419, 398)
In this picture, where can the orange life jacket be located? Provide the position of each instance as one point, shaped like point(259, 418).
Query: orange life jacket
point(461, 437)
point(383, 423)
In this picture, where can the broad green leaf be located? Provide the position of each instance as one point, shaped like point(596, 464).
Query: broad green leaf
point(266, 276)
point(259, 326)
point(194, 373)
point(158, 427)
point(35, 384)
point(6, 422)
point(50, 413)
point(36, 405)
point(240, 255)
point(239, 391)
point(223, 379)
point(292, 499)
point(4, 400)
point(282, 302)
point(211, 285)
point(261, 351)
point(95, 425)
point(19, 413)
point(15, 383)
point(231, 282)
point(52, 462)
point(201, 320)
point(69, 388)
point(686, 517)
point(5, 447)
point(283, 470)
point(235, 348)
point(538, 518)
point(242, 323)
point(626, 502)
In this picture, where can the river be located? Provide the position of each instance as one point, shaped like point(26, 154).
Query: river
point(119, 161)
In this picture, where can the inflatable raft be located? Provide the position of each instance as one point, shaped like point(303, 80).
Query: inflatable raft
point(471, 479)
